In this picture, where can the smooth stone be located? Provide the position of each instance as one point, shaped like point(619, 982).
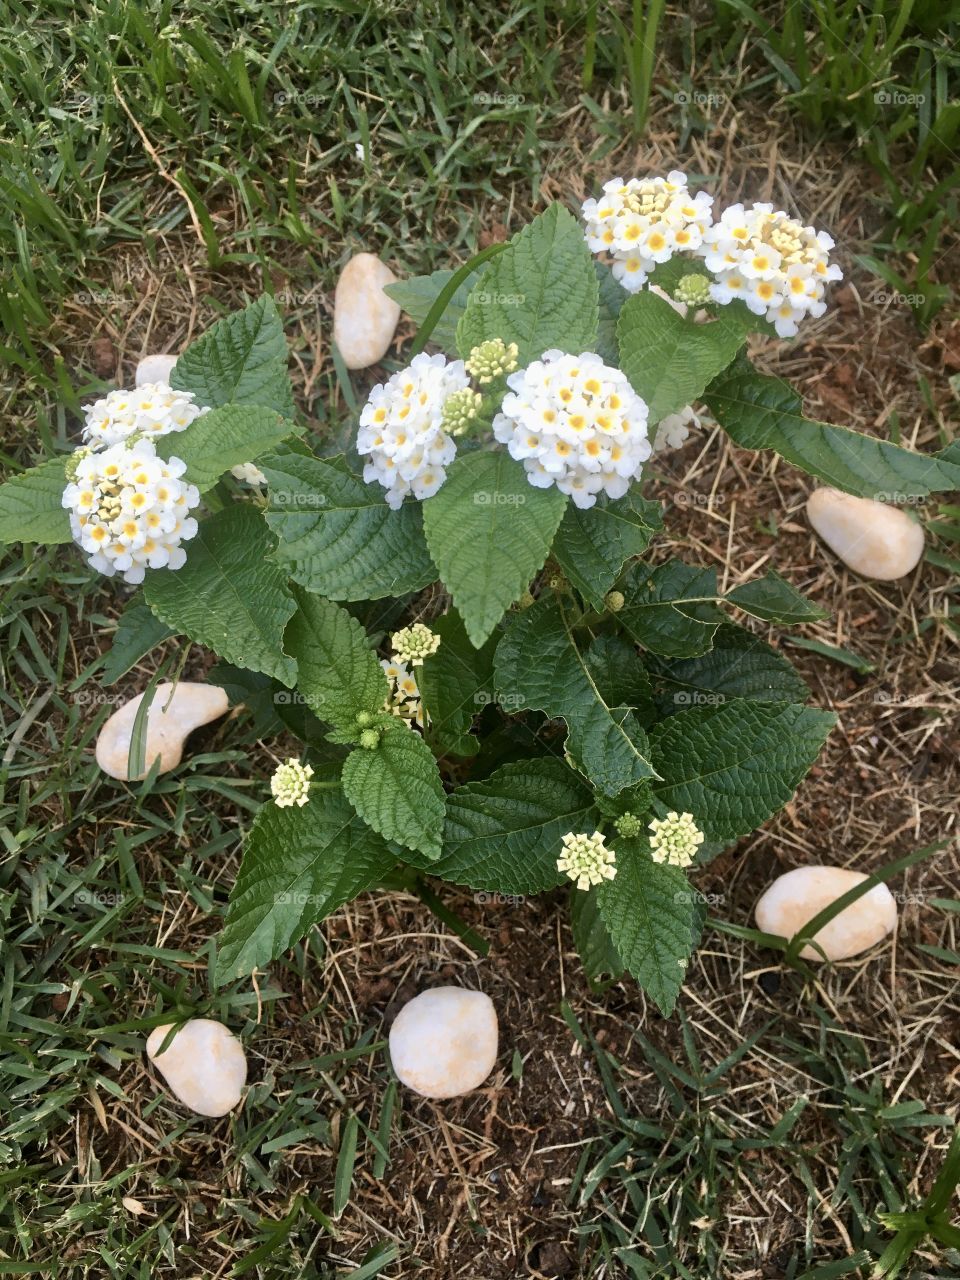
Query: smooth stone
point(169, 721)
point(156, 368)
point(797, 896)
point(204, 1065)
point(364, 318)
point(444, 1042)
point(875, 539)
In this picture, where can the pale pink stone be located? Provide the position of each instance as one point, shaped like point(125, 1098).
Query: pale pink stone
point(799, 895)
point(444, 1042)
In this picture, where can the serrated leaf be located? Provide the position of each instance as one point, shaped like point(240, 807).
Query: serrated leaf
point(489, 531)
point(611, 297)
point(740, 665)
point(761, 412)
point(733, 766)
point(671, 610)
point(299, 865)
point(540, 292)
point(539, 666)
point(223, 438)
point(648, 909)
point(242, 359)
point(773, 599)
point(337, 535)
point(456, 683)
point(620, 676)
point(31, 505)
point(418, 294)
point(668, 359)
point(504, 834)
point(229, 595)
point(340, 675)
point(396, 788)
point(593, 545)
point(591, 937)
point(138, 631)
point(253, 690)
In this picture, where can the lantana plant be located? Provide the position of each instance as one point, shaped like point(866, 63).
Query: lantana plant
point(495, 679)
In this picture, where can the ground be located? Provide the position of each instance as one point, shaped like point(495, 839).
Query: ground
point(753, 1135)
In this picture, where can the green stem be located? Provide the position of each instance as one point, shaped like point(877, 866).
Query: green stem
point(446, 293)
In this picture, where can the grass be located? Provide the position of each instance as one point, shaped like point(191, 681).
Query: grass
point(156, 164)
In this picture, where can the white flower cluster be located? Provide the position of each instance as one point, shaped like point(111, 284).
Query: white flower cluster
point(674, 429)
point(586, 859)
point(249, 473)
point(675, 839)
point(777, 266)
point(153, 409)
point(128, 509)
point(576, 423)
point(415, 643)
point(290, 784)
point(404, 698)
point(401, 428)
point(644, 222)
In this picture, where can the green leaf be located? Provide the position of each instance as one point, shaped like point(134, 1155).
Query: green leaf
point(620, 676)
point(670, 360)
point(456, 683)
point(740, 665)
point(612, 296)
point(833, 653)
point(229, 595)
point(337, 535)
point(540, 292)
point(340, 675)
point(773, 599)
point(591, 937)
point(671, 610)
point(242, 359)
point(733, 766)
point(418, 294)
point(299, 864)
point(760, 412)
point(540, 667)
point(593, 545)
point(396, 788)
point(648, 910)
point(489, 531)
point(224, 438)
point(138, 631)
point(31, 505)
point(504, 834)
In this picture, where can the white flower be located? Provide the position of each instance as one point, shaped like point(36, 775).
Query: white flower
point(576, 423)
point(401, 428)
point(777, 266)
point(415, 643)
point(673, 430)
point(675, 839)
point(404, 697)
point(128, 509)
point(644, 222)
point(153, 409)
point(249, 473)
point(290, 784)
point(586, 859)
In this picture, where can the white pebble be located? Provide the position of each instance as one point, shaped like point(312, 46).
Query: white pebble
point(364, 318)
point(874, 539)
point(169, 721)
point(799, 895)
point(204, 1065)
point(444, 1042)
point(156, 368)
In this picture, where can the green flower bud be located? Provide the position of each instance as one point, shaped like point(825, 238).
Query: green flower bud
point(491, 360)
point(370, 739)
point(629, 826)
point(365, 719)
point(615, 600)
point(459, 410)
point(693, 290)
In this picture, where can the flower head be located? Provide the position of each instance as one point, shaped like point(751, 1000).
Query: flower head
point(249, 473)
point(492, 359)
point(693, 291)
point(675, 839)
point(586, 859)
point(459, 410)
point(779, 267)
point(129, 509)
point(151, 410)
point(290, 784)
point(644, 222)
point(629, 826)
point(404, 697)
point(402, 431)
point(415, 643)
point(673, 430)
point(576, 423)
